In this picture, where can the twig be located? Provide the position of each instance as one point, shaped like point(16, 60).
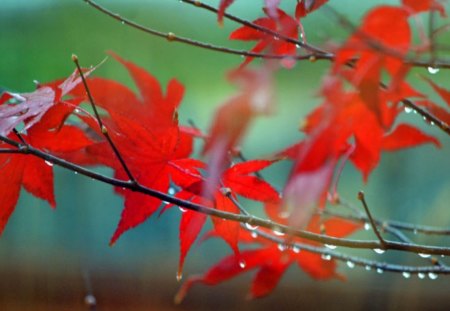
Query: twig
point(369, 215)
point(275, 34)
point(103, 128)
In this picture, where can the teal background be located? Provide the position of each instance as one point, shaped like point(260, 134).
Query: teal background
point(37, 39)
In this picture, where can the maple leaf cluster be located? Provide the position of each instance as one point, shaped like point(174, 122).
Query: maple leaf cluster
point(356, 122)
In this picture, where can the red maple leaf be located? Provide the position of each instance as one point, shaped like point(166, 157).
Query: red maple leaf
point(145, 130)
point(44, 129)
point(238, 181)
point(272, 262)
point(283, 24)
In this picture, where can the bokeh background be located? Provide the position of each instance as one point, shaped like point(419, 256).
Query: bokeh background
point(46, 254)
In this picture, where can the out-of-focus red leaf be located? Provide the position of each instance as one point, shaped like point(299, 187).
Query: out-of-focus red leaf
point(268, 277)
point(281, 23)
point(224, 4)
point(444, 93)
point(304, 7)
point(407, 136)
point(233, 118)
point(424, 6)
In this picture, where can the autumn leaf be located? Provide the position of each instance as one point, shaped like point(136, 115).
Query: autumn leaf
point(233, 118)
point(44, 130)
point(32, 106)
point(281, 23)
point(272, 262)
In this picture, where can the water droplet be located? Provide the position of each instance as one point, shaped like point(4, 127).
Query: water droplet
point(77, 111)
point(421, 275)
point(123, 22)
point(183, 210)
point(277, 232)
point(367, 226)
point(350, 264)
point(330, 246)
point(90, 300)
point(282, 247)
point(296, 249)
point(415, 231)
point(48, 163)
point(171, 191)
point(326, 257)
point(368, 268)
point(179, 276)
point(432, 276)
point(298, 46)
point(76, 173)
point(406, 275)
point(424, 255)
point(408, 109)
point(250, 227)
point(379, 271)
point(254, 235)
point(432, 70)
point(242, 264)
point(442, 256)
point(378, 250)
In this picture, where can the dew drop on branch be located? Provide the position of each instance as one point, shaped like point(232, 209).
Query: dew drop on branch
point(432, 276)
point(421, 275)
point(48, 163)
point(368, 268)
point(330, 246)
point(250, 227)
point(406, 275)
point(408, 109)
point(277, 232)
point(432, 70)
point(424, 255)
point(296, 249)
point(380, 271)
point(183, 210)
point(254, 235)
point(350, 264)
point(282, 247)
point(379, 250)
point(326, 257)
point(366, 226)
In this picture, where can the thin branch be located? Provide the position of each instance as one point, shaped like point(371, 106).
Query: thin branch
point(103, 128)
point(275, 34)
point(369, 215)
point(249, 219)
point(171, 37)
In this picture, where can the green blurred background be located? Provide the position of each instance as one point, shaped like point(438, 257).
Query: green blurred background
point(44, 252)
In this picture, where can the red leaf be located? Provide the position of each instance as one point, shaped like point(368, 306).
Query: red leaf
point(10, 182)
point(190, 226)
point(268, 277)
point(407, 136)
point(224, 4)
point(227, 230)
point(236, 178)
point(32, 106)
point(233, 118)
point(444, 93)
point(424, 5)
point(304, 7)
point(277, 20)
